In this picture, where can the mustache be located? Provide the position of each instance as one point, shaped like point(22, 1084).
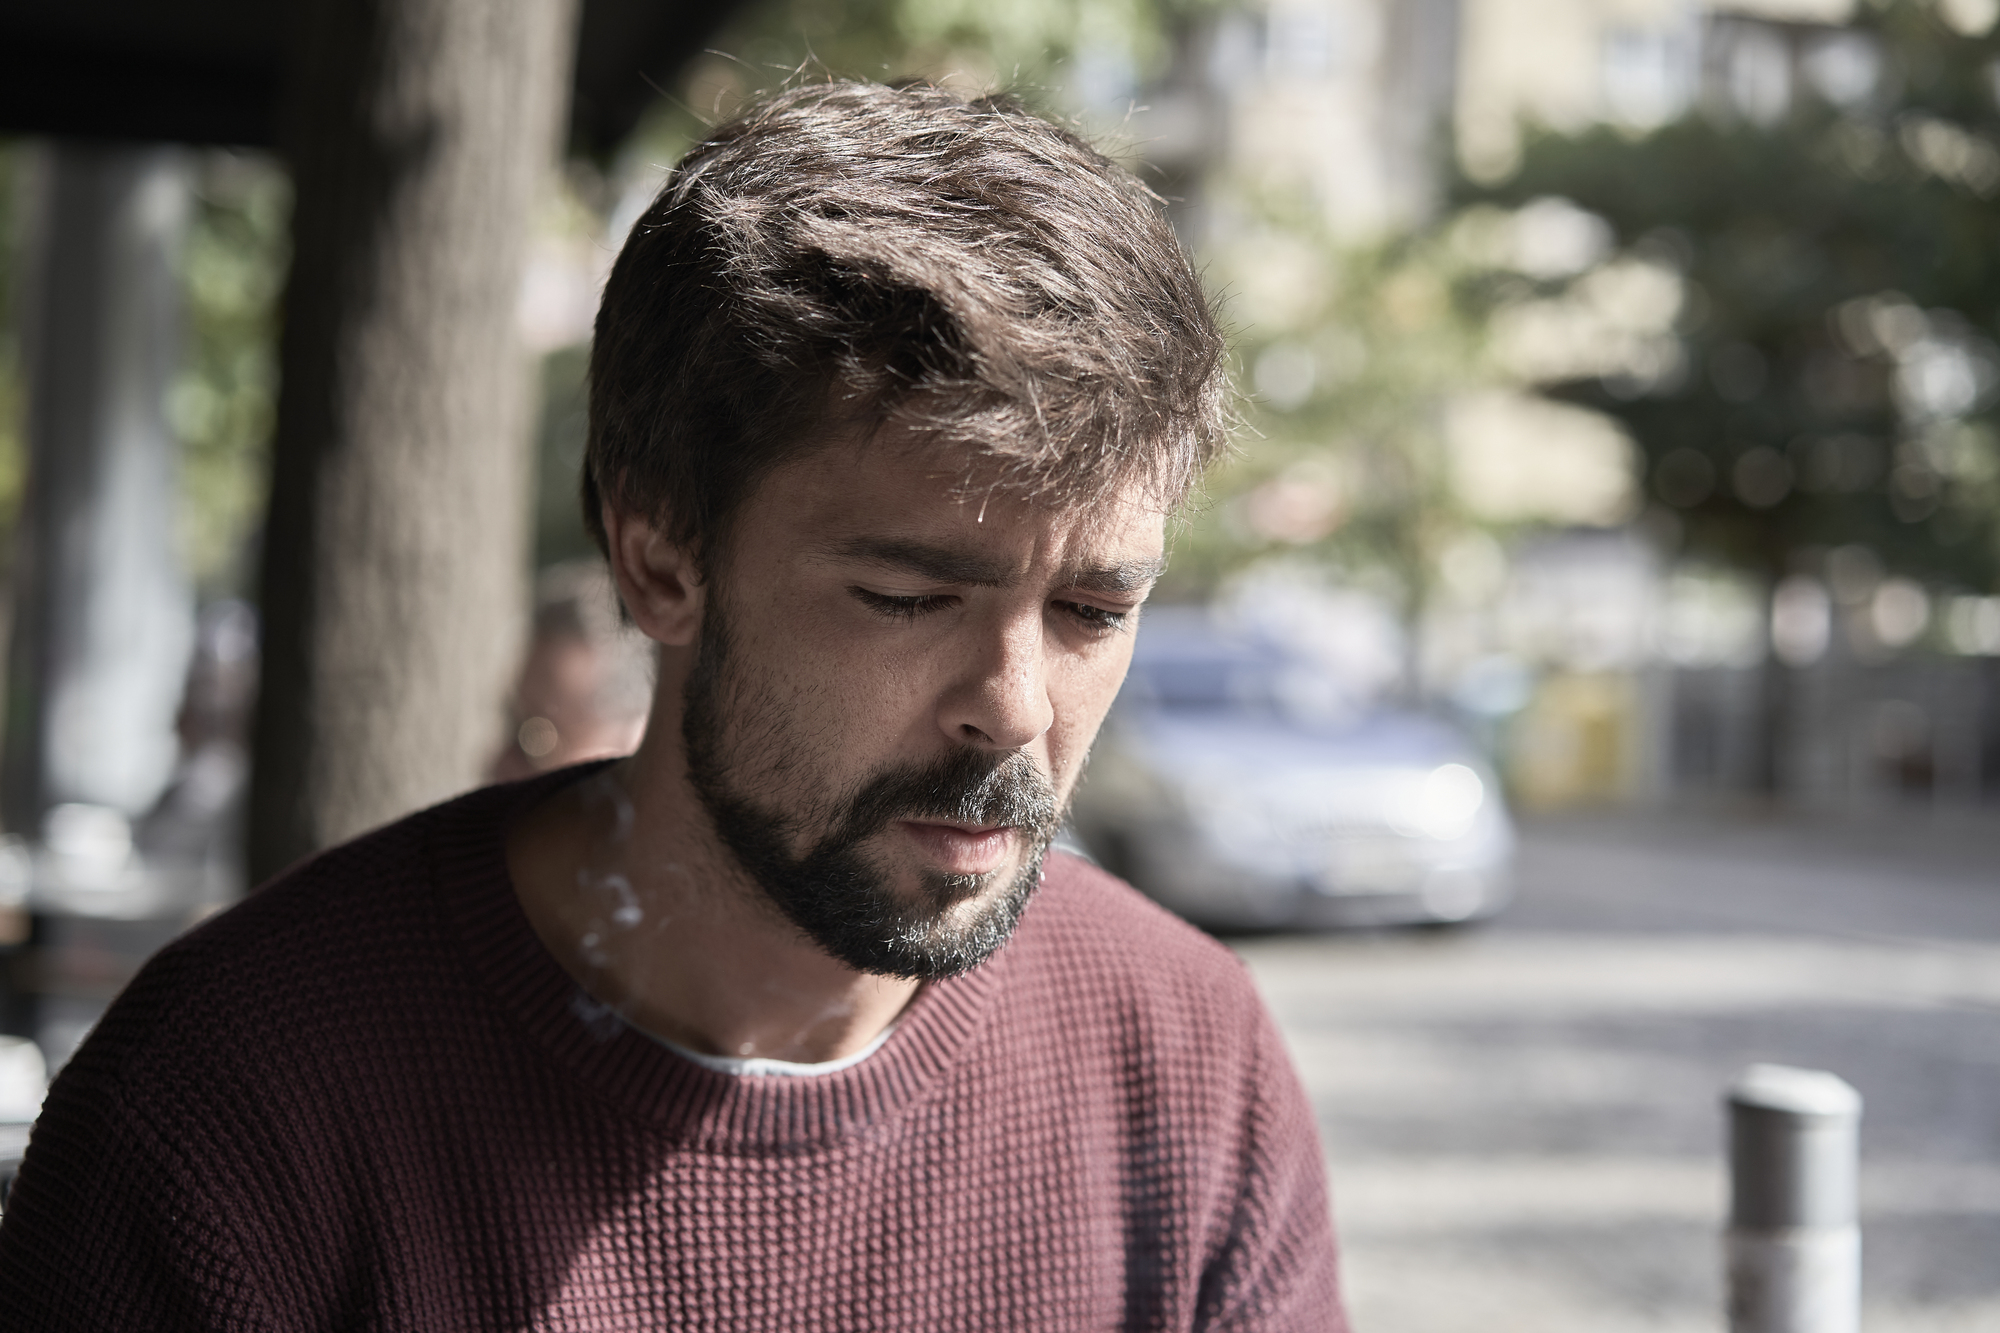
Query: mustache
point(965, 786)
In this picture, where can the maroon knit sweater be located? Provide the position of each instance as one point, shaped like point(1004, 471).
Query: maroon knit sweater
point(368, 1098)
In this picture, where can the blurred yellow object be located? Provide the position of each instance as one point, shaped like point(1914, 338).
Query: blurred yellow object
point(1573, 744)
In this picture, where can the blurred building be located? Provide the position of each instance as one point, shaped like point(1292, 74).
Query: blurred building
point(1342, 99)
point(1599, 669)
point(1361, 102)
point(1567, 64)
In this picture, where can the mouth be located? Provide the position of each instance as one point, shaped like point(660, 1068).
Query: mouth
point(960, 849)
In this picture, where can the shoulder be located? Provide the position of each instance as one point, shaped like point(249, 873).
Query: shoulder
point(243, 1051)
point(355, 930)
point(211, 1100)
point(1159, 1028)
point(1083, 907)
point(351, 905)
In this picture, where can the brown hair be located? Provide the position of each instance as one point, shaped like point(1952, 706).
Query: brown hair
point(846, 255)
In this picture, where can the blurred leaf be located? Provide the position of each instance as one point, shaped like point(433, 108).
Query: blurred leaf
point(1838, 355)
point(222, 403)
point(1348, 356)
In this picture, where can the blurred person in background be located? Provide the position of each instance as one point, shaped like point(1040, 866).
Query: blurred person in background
point(586, 683)
point(793, 1018)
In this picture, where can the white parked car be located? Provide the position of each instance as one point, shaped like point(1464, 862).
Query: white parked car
point(1230, 787)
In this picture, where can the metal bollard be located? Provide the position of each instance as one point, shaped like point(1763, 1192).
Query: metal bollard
point(1794, 1248)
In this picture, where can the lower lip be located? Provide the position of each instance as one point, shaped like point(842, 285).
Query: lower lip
point(957, 851)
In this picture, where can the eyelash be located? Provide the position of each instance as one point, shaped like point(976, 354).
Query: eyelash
point(909, 608)
point(900, 608)
point(1098, 618)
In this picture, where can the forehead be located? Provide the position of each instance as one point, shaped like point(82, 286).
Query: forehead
point(840, 497)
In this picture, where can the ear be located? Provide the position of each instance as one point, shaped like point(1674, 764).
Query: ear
point(659, 582)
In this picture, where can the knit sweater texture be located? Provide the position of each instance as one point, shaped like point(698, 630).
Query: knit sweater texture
point(368, 1098)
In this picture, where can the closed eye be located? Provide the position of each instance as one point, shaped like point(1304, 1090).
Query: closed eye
point(901, 608)
point(1097, 617)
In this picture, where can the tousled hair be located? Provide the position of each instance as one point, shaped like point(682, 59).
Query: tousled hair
point(845, 256)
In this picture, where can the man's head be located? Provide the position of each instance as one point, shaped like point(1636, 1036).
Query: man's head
point(891, 394)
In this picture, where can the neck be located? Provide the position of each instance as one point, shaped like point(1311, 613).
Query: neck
point(623, 878)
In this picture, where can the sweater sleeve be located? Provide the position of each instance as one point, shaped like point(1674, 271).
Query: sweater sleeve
point(107, 1225)
point(1276, 1271)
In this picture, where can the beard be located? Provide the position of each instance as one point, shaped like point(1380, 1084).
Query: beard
point(831, 891)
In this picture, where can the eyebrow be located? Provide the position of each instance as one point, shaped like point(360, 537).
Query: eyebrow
point(1129, 577)
point(944, 564)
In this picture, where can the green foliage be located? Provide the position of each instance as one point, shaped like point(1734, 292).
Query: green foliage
point(1837, 363)
point(930, 38)
point(1347, 354)
point(560, 435)
point(999, 44)
point(223, 403)
point(1034, 49)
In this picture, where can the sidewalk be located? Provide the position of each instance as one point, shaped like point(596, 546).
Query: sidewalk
point(1523, 1121)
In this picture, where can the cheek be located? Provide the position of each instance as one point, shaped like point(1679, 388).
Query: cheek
point(840, 704)
point(1084, 694)
point(872, 689)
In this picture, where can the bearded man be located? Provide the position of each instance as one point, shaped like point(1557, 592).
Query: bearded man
point(792, 1019)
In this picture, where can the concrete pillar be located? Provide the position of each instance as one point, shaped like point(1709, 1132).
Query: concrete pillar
point(103, 617)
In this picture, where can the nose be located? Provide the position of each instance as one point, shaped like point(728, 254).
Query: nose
point(1001, 698)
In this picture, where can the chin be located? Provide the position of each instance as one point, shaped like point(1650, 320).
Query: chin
point(937, 925)
point(955, 896)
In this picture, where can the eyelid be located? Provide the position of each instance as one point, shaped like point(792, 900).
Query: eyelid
point(1113, 603)
point(906, 606)
point(1093, 615)
point(1100, 617)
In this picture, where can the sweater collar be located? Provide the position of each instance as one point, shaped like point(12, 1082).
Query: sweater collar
point(642, 1077)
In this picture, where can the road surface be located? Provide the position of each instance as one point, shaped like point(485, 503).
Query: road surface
point(1523, 1122)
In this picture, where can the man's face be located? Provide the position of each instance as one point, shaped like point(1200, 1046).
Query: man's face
point(895, 690)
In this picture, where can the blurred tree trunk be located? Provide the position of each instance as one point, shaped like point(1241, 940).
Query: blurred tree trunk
point(395, 548)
